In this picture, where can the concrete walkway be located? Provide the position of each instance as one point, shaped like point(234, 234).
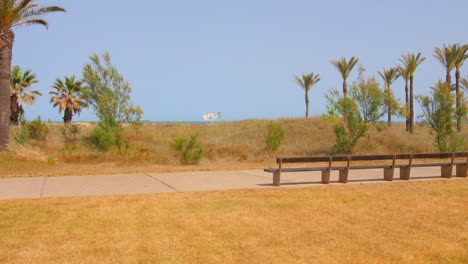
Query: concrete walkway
point(38, 187)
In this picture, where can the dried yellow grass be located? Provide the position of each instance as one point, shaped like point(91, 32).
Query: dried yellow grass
point(411, 222)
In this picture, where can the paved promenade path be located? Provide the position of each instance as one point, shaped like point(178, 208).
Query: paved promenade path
point(38, 187)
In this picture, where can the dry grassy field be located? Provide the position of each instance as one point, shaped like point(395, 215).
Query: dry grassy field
point(410, 222)
point(227, 146)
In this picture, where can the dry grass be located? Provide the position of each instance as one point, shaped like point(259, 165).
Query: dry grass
point(411, 222)
point(229, 145)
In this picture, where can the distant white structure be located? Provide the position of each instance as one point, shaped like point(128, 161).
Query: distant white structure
point(211, 116)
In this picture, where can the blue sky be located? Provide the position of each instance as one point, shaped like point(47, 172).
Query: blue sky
point(186, 58)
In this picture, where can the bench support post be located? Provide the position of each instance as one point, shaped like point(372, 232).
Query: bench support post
point(343, 175)
point(446, 171)
point(461, 170)
point(388, 173)
point(276, 178)
point(405, 173)
point(326, 176)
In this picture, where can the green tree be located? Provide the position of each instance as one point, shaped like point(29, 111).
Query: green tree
point(306, 82)
point(20, 92)
point(438, 113)
point(363, 107)
point(460, 55)
point(14, 13)
point(109, 94)
point(345, 67)
point(392, 106)
point(411, 62)
point(68, 97)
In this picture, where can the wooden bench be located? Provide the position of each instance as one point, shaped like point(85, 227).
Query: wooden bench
point(388, 169)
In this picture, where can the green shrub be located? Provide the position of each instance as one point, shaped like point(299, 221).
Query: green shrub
point(37, 129)
point(69, 132)
point(274, 136)
point(105, 136)
point(190, 150)
point(21, 137)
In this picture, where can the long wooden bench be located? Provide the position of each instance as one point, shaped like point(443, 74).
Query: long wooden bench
point(394, 161)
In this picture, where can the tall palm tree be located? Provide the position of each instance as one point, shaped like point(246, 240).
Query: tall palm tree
point(14, 13)
point(389, 76)
point(446, 57)
point(411, 62)
point(345, 67)
point(20, 93)
point(460, 55)
point(404, 73)
point(306, 82)
point(68, 96)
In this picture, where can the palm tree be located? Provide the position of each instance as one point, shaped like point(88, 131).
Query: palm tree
point(464, 83)
point(404, 73)
point(306, 82)
point(446, 57)
point(20, 93)
point(411, 63)
point(68, 96)
point(14, 13)
point(389, 76)
point(345, 68)
point(460, 55)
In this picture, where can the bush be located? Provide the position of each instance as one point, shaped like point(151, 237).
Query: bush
point(190, 150)
point(274, 136)
point(37, 129)
point(69, 132)
point(105, 136)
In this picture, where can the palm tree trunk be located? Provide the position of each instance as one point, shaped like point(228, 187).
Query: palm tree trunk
point(407, 105)
point(14, 108)
point(67, 116)
point(389, 116)
point(6, 44)
point(411, 121)
point(345, 88)
point(458, 101)
point(307, 105)
point(448, 78)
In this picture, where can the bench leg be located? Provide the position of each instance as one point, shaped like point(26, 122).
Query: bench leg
point(446, 171)
point(326, 176)
point(343, 176)
point(388, 174)
point(276, 178)
point(461, 170)
point(405, 173)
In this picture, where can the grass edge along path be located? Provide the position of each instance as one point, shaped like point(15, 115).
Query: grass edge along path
point(410, 222)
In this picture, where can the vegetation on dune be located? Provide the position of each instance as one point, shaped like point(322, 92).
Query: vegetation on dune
point(14, 13)
point(109, 95)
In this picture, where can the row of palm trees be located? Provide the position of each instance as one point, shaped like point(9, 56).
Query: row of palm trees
point(451, 57)
point(66, 95)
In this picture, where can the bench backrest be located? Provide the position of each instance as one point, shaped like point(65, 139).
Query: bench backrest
point(372, 157)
